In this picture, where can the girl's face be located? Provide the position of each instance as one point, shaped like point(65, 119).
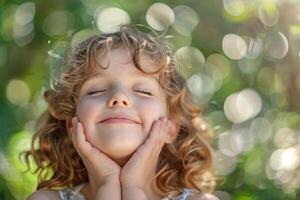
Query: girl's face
point(118, 105)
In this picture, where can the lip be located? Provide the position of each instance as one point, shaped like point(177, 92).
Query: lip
point(119, 119)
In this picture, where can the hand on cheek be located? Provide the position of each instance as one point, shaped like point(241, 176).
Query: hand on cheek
point(99, 166)
point(139, 168)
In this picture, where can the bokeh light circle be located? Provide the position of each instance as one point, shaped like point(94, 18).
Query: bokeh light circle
point(81, 36)
point(58, 22)
point(268, 14)
point(262, 129)
point(160, 16)
point(234, 46)
point(277, 45)
point(219, 62)
point(201, 87)
point(186, 19)
point(25, 13)
point(17, 92)
point(224, 164)
point(234, 7)
point(254, 47)
point(239, 107)
point(110, 19)
point(189, 57)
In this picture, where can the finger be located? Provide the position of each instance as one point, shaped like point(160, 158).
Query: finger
point(163, 132)
point(150, 149)
point(167, 130)
point(156, 134)
point(152, 138)
point(155, 131)
point(160, 137)
point(78, 136)
point(75, 133)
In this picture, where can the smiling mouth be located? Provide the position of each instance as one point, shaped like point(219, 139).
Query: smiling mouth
point(118, 121)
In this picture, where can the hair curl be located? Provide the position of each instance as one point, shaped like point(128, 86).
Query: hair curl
point(186, 163)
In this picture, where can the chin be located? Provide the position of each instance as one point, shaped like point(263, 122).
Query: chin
point(119, 149)
point(120, 156)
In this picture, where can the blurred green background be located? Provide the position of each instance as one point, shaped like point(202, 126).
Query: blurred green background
point(241, 59)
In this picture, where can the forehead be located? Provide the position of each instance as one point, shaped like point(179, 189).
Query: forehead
point(119, 61)
point(128, 76)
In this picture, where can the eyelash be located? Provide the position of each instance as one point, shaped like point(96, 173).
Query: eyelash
point(141, 91)
point(144, 92)
point(96, 91)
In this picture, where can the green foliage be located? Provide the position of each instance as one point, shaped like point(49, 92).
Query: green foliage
point(262, 53)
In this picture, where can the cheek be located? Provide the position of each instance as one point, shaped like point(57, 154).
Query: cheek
point(155, 107)
point(86, 111)
point(150, 111)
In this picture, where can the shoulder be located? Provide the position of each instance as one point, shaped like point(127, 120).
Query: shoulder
point(202, 196)
point(44, 194)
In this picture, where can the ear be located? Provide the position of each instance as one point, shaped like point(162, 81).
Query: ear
point(173, 131)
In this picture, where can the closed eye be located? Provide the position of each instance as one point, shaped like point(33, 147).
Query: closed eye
point(144, 92)
point(95, 92)
point(140, 91)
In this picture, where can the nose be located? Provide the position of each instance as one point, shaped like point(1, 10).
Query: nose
point(119, 98)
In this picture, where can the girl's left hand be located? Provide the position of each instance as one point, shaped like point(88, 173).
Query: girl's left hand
point(139, 168)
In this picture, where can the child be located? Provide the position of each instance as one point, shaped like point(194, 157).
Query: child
point(121, 124)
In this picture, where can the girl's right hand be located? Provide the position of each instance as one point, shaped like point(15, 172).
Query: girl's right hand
point(101, 169)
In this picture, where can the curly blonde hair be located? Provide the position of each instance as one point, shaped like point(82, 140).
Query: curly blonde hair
point(186, 163)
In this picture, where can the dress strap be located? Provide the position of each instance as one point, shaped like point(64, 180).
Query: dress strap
point(77, 189)
point(72, 193)
point(185, 194)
